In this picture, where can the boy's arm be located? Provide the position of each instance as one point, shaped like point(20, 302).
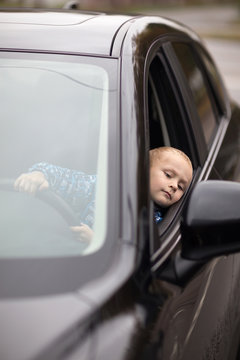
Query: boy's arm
point(69, 184)
point(75, 187)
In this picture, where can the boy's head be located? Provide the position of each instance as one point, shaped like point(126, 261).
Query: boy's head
point(170, 175)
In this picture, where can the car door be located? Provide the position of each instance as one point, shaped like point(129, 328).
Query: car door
point(186, 110)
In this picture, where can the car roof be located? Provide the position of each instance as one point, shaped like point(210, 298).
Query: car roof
point(82, 32)
point(59, 30)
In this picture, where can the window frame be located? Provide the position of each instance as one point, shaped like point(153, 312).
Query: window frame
point(170, 226)
point(47, 267)
point(170, 234)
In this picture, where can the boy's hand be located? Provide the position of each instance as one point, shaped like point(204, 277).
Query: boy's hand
point(31, 182)
point(82, 233)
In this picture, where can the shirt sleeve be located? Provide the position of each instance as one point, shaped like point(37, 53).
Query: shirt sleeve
point(75, 187)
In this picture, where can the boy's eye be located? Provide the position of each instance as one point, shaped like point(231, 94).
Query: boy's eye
point(180, 187)
point(167, 174)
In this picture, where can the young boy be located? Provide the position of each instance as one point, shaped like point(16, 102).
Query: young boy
point(170, 175)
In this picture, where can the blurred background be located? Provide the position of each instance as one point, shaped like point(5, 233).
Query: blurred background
point(212, 18)
point(216, 21)
point(122, 5)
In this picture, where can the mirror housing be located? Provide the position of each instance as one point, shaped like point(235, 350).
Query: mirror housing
point(210, 223)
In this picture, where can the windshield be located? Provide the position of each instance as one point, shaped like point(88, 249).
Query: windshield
point(53, 154)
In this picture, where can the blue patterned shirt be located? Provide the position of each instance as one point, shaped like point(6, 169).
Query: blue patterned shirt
point(158, 216)
point(75, 187)
point(158, 213)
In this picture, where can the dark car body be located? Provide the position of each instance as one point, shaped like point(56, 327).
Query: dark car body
point(166, 292)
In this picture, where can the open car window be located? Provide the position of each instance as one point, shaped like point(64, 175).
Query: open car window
point(168, 126)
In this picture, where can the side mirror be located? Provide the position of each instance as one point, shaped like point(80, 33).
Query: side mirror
point(210, 224)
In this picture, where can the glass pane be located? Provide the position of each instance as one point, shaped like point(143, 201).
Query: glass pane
point(198, 88)
point(54, 121)
point(216, 81)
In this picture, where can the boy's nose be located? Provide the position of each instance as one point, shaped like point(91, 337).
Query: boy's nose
point(173, 186)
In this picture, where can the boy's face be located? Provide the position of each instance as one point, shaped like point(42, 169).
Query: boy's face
point(169, 178)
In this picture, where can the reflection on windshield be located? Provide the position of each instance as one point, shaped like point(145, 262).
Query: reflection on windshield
point(53, 139)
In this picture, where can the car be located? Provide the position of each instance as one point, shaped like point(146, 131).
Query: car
point(93, 92)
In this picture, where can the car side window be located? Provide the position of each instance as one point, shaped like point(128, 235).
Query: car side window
point(168, 126)
point(165, 113)
point(199, 88)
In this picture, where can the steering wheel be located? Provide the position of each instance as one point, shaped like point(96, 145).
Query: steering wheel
point(50, 198)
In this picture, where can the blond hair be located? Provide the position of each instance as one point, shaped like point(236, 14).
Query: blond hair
point(155, 154)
